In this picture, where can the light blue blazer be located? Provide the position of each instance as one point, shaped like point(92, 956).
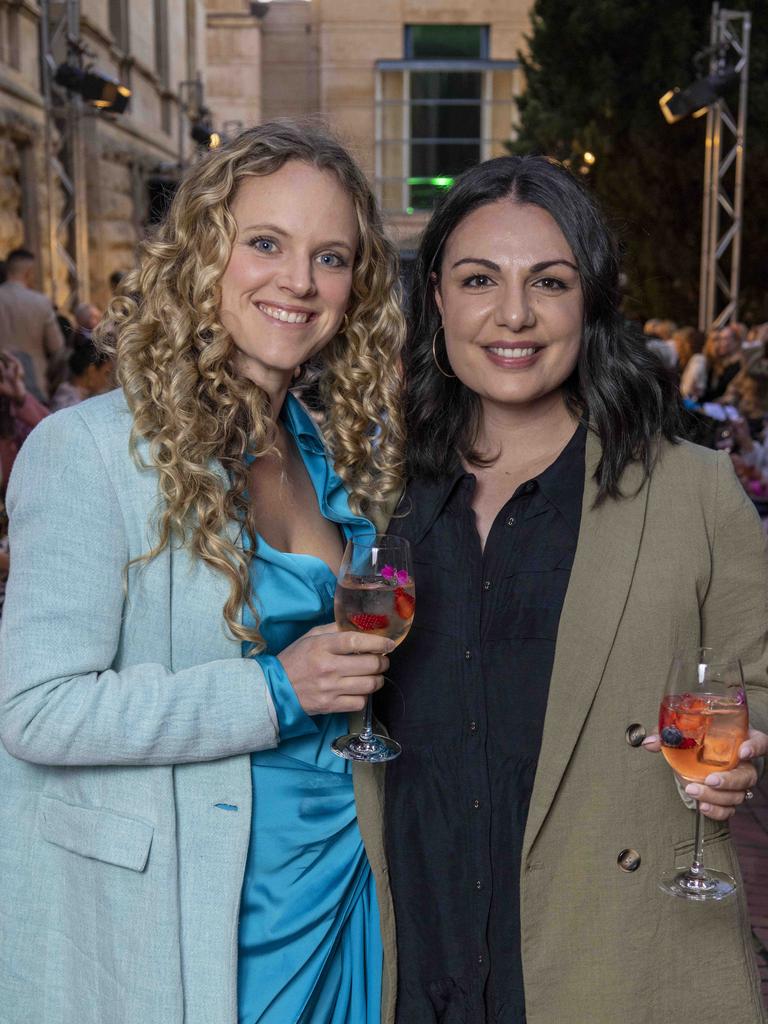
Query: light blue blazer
point(127, 717)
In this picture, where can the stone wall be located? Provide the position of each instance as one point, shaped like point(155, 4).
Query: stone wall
point(122, 151)
point(11, 223)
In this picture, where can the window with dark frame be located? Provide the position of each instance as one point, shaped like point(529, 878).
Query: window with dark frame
point(445, 106)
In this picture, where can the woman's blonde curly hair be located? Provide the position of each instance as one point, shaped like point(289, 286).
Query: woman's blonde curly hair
point(175, 360)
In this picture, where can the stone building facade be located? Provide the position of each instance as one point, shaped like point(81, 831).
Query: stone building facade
point(149, 45)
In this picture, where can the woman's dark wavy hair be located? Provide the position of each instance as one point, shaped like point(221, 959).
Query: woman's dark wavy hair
point(620, 388)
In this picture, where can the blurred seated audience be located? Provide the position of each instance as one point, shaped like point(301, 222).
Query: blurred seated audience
point(750, 461)
point(691, 362)
point(20, 411)
point(659, 341)
point(748, 390)
point(90, 373)
point(723, 353)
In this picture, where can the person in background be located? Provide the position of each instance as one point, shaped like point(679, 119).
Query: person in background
point(723, 352)
point(20, 411)
point(750, 459)
point(748, 390)
point(658, 335)
point(28, 323)
point(90, 373)
point(567, 544)
point(689, 342)
point(87, 319)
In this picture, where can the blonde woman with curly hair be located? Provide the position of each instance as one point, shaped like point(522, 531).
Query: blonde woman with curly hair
point(183, 846)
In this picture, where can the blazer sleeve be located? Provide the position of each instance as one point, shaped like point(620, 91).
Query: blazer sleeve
point(61, 701)
point(734, 613)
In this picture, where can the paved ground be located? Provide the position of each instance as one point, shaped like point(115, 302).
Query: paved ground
point(750, 832)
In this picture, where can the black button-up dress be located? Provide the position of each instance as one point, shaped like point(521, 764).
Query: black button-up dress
point(467, 701)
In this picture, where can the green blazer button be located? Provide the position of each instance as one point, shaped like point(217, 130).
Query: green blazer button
point(628, 860)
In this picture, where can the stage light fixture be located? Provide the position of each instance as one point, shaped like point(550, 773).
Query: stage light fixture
point(99, 90)
point(203, 134)
point(698, 97)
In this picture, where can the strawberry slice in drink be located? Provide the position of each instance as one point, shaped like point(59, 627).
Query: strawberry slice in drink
point(404, 603)
point(367, 623)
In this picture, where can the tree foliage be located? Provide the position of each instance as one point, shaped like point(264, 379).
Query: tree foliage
point(595, 70)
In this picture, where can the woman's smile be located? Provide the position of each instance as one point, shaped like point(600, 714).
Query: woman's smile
point(286, 314)
point(512, 357)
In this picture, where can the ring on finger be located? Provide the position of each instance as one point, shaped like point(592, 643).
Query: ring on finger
point(748, 795)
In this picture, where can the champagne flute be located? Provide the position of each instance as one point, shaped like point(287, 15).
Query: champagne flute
point(374, 594)
point(703, 720)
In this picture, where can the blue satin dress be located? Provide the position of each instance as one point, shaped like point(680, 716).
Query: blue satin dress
point(310, 947)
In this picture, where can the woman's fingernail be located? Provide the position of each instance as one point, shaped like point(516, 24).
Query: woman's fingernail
point(649, 741)
point(705, 807)
point(746, 753)
point(390, 646)
point(693, 789)
point(713, 780)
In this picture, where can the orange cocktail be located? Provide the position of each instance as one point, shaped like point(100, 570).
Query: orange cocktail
point(702, 732)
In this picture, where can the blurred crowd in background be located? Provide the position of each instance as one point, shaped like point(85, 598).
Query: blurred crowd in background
point(48, 361)
point(723, 379)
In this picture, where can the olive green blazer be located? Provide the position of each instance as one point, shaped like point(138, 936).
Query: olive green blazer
point(679, 560)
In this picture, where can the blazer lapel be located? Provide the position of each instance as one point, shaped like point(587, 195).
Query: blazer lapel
point(606, 554)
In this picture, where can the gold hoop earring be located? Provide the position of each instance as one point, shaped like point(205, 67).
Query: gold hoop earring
point(345, 324)
point(450, 376)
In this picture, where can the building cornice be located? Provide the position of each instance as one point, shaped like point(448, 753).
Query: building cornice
point(121, 137)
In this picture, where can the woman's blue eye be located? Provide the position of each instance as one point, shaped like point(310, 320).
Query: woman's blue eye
point(331, 259)
point(263, 244)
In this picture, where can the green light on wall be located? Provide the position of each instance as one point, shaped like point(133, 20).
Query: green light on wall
point(440, 182)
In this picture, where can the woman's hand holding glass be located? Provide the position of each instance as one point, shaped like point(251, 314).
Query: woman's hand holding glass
point(703, 725)
point(721, 792)
point(325, 679)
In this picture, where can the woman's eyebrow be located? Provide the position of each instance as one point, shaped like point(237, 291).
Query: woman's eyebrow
point(476, 259)
point(536, 268)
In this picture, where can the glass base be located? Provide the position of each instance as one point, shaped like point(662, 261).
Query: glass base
point(372, 749)
point(711, 885)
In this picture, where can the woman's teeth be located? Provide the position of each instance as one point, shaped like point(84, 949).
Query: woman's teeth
point(512, 353)
point(282, 314)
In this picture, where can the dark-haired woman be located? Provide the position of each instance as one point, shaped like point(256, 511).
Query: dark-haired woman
point(565, 545)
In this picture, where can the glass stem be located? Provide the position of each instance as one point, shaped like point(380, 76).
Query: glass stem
point(697, 865)
point(366, 732)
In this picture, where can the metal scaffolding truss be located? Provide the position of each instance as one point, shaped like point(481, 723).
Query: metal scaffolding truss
point(724, 174)
point(64, 154)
